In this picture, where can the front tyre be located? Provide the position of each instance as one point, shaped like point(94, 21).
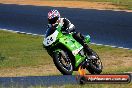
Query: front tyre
point(63, 62)
point(95, 67)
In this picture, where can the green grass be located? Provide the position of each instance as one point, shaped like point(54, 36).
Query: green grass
point(129, 85)
point(127, 4)
point(17, 50)
point(96, 86)
point(82, 86)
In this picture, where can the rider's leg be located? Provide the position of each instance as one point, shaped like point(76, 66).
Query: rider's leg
point(80, 38)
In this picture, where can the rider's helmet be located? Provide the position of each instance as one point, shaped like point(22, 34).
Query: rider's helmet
point(53, 16)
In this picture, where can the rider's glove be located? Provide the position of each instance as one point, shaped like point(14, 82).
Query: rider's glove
point(71, 28)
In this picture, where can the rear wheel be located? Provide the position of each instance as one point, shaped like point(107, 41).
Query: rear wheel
point(63, 62)
point(95, 65)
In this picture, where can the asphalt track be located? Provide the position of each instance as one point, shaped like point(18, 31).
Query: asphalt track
point(24, 82)
point(104, 26)
point(32, 81)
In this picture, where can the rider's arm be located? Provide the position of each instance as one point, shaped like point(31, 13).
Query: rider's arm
point(68, 26)
point(49, 25)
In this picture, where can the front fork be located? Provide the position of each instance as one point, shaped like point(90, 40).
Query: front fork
point(83, 66)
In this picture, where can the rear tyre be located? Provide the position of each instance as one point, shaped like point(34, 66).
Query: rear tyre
point(63, 62)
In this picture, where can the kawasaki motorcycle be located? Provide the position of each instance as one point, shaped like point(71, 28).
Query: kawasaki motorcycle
point(68, 54)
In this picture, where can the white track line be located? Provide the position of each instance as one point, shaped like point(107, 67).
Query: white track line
point(20, 32)
point(43, 36)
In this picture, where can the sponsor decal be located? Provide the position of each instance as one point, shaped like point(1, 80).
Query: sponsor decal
point(104, 78)
point(76, 51)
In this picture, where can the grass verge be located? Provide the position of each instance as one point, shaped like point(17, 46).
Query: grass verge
point(79, 86)
point(92, 86)
point(23, 55)
point(85, 4)
point(126, 3)
point(122, 4)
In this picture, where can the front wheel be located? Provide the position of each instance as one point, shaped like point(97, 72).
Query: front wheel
point(95, 65)
point(63, 62)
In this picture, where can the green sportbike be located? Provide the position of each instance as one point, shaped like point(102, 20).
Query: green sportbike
point(68, 54)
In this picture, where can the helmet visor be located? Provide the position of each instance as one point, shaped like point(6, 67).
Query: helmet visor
point(53, 20)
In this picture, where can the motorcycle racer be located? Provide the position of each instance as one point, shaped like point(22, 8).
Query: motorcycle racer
point(67, 27)
point(69, 55)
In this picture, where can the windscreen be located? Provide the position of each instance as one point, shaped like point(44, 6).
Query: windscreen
point(50, 31)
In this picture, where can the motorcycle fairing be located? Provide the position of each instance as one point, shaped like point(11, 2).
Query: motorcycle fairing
point(69, 42)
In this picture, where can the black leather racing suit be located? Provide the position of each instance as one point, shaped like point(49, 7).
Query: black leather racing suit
point(68, 27)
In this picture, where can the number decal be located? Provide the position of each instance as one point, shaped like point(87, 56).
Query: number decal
point(50, 39)
point(47, 41)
